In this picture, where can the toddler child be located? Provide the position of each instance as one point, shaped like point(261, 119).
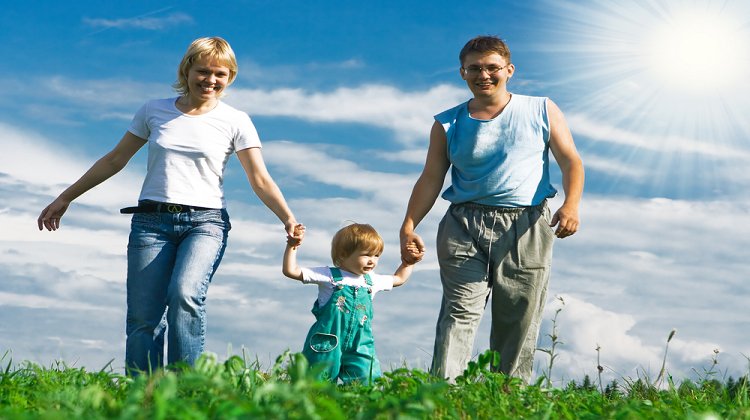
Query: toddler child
point(341, 337)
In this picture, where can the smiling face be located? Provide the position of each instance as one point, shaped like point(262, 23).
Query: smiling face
point(204, 55)
point(360, 262)
point(486, 74)
point(206, 81)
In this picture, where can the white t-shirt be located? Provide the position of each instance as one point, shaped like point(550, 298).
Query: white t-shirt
point(187, 154)
point(322, 277)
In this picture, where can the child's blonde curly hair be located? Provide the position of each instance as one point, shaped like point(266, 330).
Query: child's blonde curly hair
point(357, 236)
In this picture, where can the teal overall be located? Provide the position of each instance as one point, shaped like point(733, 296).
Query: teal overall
point(341, 337)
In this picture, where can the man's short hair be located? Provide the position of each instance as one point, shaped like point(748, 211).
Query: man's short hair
point(485, 44)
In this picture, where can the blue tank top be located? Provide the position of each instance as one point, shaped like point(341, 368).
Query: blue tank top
point(499, 162)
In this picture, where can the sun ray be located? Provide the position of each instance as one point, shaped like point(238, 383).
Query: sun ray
point(673, 73)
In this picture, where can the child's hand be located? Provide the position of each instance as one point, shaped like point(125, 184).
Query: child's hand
point(296, 239)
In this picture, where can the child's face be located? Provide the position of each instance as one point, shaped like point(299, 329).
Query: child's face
point(360, 262)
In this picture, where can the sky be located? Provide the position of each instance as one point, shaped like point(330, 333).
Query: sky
point(343, 94)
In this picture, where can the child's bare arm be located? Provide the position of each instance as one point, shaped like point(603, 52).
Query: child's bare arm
point(402, 274)
point(404, 270)
point(289, 266)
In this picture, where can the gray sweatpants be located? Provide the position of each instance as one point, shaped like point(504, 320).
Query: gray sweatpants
point(502, 252)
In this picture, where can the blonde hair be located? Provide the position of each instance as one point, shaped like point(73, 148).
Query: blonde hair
point(213, 48)
point(356, 236)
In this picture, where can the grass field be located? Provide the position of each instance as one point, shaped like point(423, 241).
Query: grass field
point(238, 388)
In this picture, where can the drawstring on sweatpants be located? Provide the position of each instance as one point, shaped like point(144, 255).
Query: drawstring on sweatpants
point(485, 209)
point(492, 239)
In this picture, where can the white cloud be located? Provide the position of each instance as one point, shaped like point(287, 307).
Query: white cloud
point(43, 166)
point(413, 156)
point(408, 114)
point(279, 74)
point(38, 302)
point(640, 267)
point(140, 22)
point(583, 328)
point(312, 163)
point(614, 166)
point(117, 95)
point(582, 124)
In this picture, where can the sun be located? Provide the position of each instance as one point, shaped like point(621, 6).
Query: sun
point(661, 89)
point(697, 51)
point(666, 68)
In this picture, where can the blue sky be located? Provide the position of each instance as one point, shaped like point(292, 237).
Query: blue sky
point(343, 95)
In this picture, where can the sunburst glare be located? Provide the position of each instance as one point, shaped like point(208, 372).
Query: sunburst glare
point(663, 81)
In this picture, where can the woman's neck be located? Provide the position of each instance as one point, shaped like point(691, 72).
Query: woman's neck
point(190, 106)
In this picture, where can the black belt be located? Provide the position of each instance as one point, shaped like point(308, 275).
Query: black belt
point(156, 207)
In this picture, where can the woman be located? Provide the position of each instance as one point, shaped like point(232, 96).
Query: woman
point(179, 228)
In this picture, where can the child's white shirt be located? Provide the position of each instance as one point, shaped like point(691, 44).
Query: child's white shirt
point(323, 278)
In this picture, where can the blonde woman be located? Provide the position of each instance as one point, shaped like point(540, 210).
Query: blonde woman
point(179, 227)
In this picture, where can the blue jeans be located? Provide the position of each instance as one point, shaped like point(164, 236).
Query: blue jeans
point(171, 260)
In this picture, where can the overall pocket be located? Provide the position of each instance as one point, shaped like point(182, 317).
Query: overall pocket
point(323, 343)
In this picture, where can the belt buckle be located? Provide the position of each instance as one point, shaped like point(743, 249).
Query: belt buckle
point(174, 208)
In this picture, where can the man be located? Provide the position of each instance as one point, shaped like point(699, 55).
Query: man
point(497, 235)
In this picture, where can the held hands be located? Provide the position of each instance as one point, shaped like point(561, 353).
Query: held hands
point(567, 221)
point(412, 248)
point(414, 253)
point(50, 217)
point(297, 234)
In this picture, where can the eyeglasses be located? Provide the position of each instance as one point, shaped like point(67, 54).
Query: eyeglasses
point(477, 70)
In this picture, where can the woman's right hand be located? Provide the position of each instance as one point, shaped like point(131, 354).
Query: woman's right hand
point(295, 238)
point(51, 215)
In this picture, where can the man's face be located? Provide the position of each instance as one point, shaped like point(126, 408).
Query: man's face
point(486, 74)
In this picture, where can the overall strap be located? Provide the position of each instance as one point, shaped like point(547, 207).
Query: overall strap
point(337, 276)
point(336, 273)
